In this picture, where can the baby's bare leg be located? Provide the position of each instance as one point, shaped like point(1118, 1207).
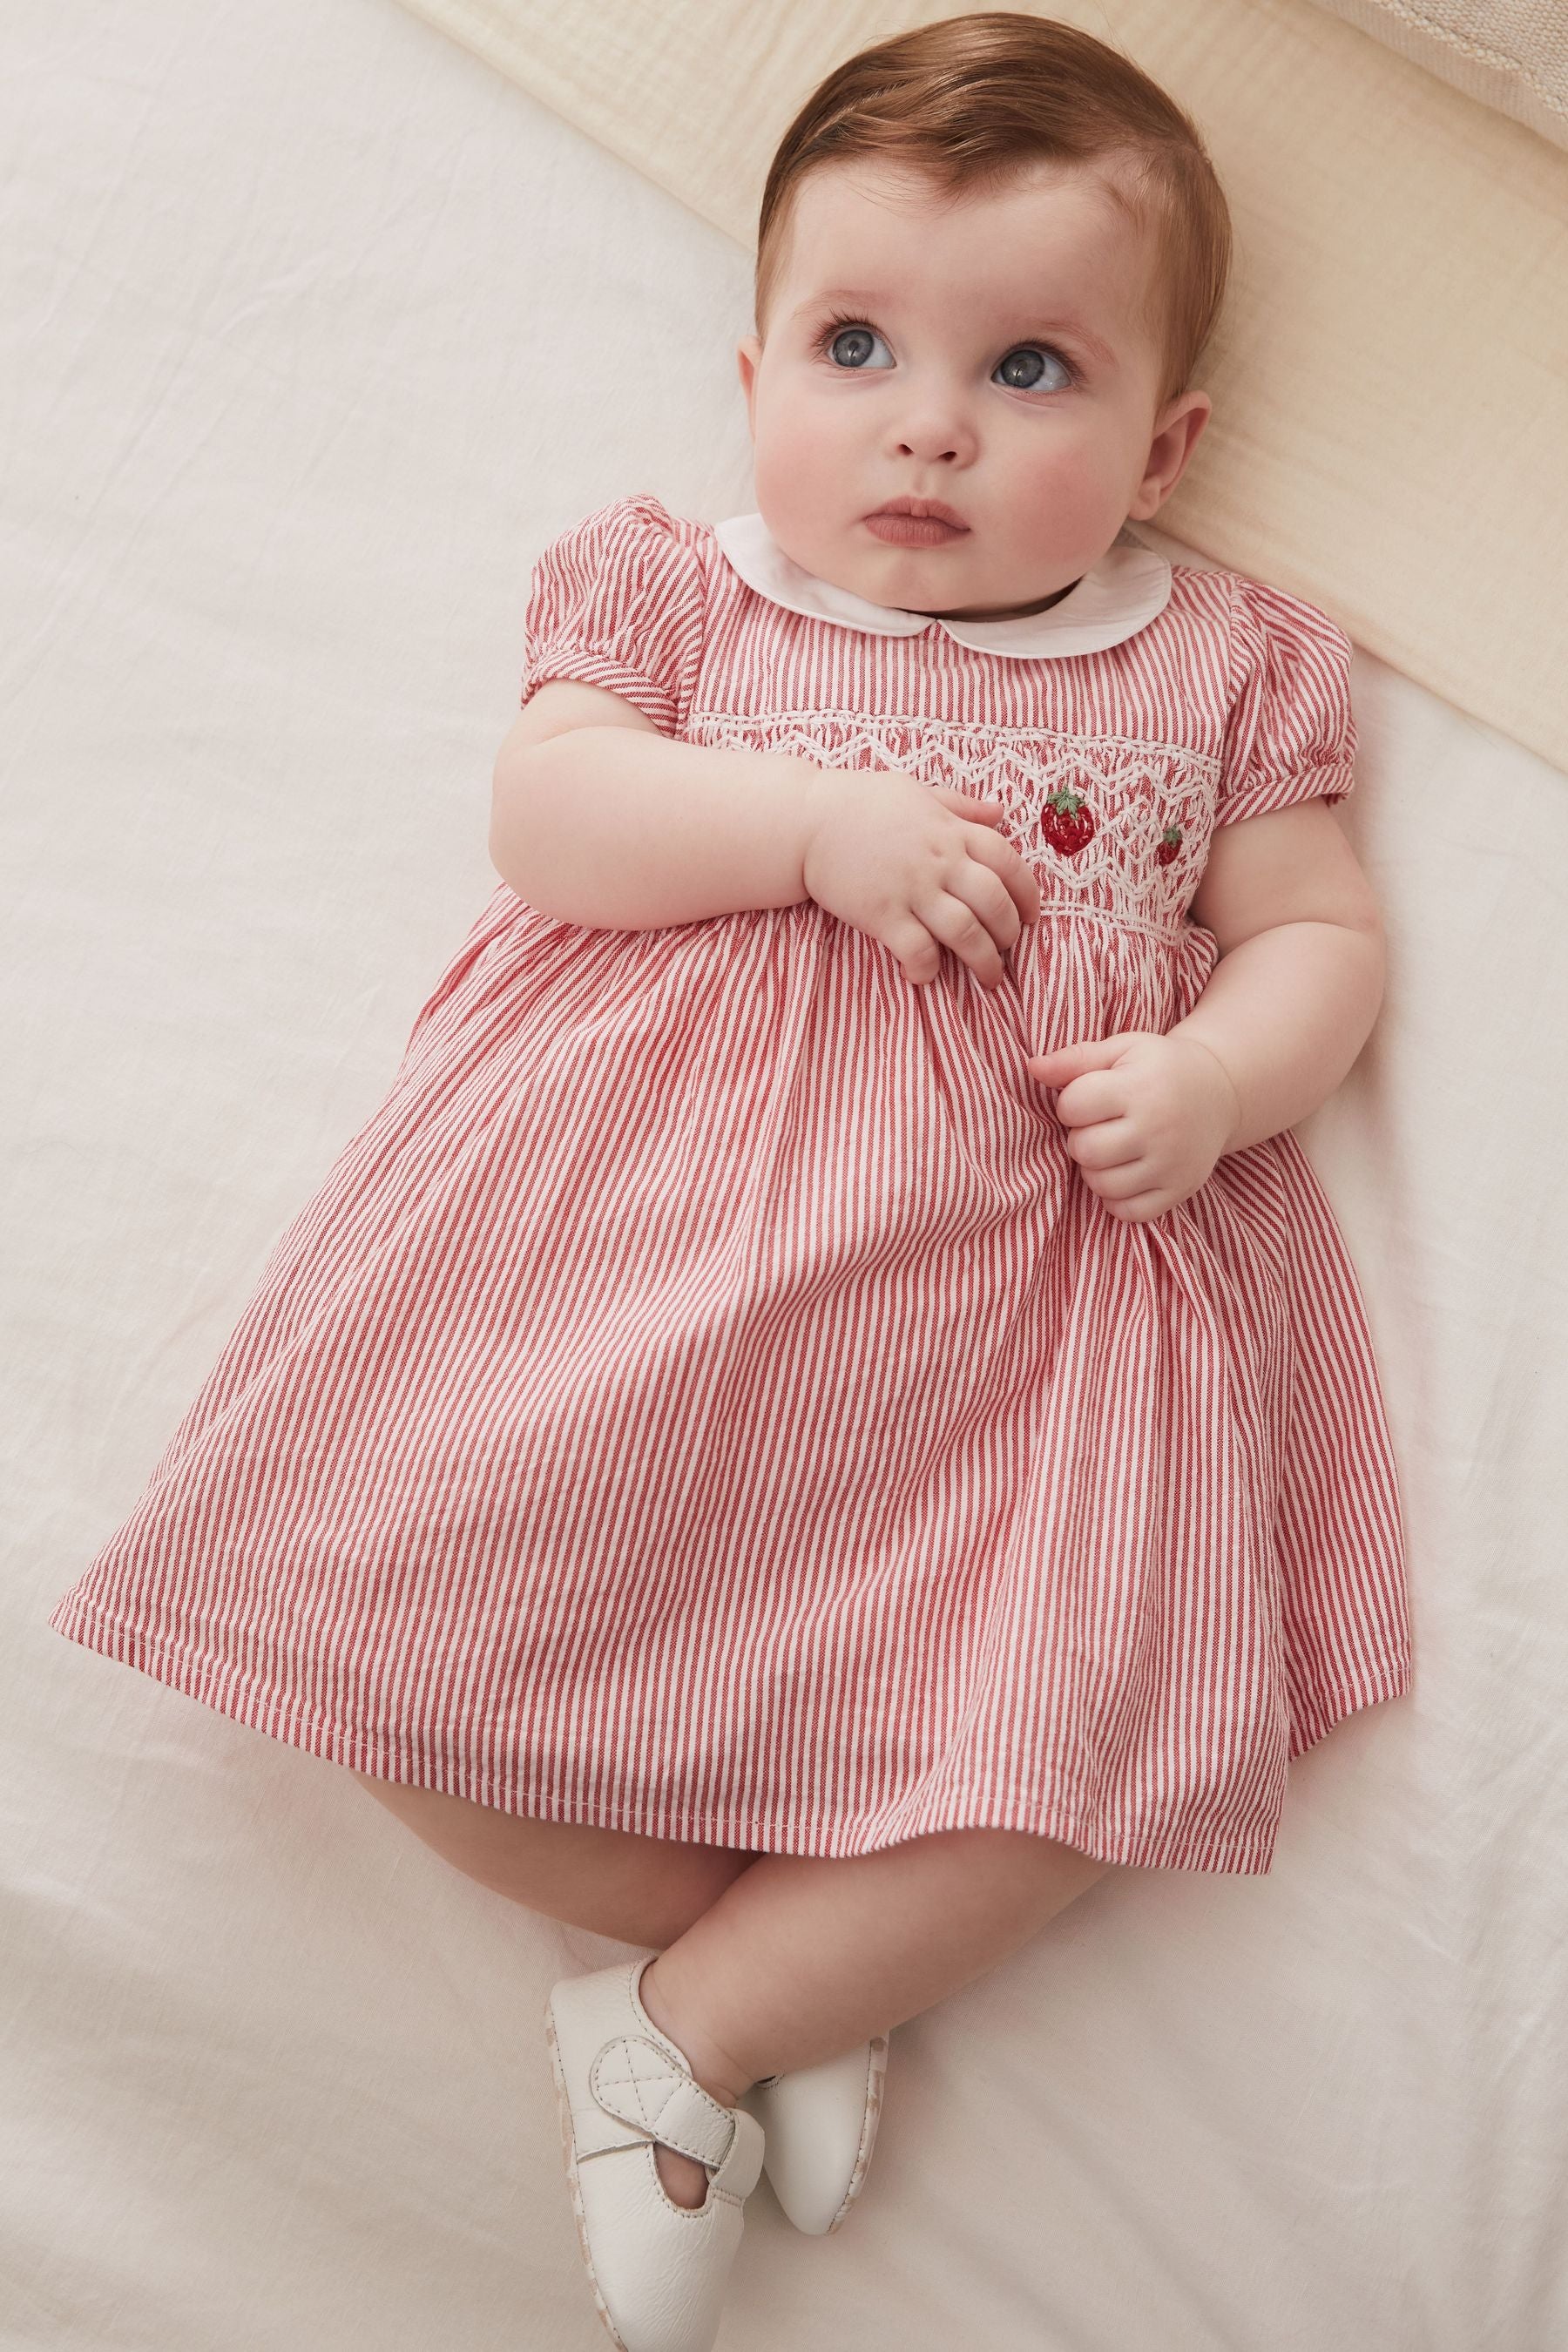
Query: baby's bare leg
point(641, 1890)
point(801, 1958)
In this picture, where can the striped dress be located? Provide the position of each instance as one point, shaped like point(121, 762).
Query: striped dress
point(705, 1398)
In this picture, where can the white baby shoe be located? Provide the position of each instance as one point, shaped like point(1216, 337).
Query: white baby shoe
point(820, 2124)
point(658, 2270)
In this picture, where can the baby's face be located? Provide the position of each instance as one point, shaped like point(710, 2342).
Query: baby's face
point(996, 358)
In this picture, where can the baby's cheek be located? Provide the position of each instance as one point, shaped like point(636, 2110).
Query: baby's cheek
point(1075, 489)
point(803, 481)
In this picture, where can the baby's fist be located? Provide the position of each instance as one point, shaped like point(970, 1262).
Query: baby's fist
point(1148, 1115)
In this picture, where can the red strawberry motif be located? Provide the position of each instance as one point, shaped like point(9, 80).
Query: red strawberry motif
point(1065, 821)
point(1170, 842)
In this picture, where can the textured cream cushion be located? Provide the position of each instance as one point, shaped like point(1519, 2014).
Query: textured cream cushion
point(1510, 54)
point(1391, 382)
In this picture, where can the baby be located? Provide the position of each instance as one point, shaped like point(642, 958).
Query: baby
point(778, 1443)
point(965, 382)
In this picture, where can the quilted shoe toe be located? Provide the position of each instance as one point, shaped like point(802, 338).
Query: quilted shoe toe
point(820, 2124)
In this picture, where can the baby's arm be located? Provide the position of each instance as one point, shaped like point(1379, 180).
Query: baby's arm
point(1296, 992)
point(619, 826)
point(597, 818)
point(1288, 1007)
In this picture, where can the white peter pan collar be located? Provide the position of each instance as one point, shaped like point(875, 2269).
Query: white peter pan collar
point(1115, 598)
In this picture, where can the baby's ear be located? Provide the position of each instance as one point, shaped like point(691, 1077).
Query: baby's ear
point(748, 355)
point(1177, 430)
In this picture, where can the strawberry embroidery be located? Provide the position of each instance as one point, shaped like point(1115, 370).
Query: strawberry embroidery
point(1065, 821)
point(1170, 842)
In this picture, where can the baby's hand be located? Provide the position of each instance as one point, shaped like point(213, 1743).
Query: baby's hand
point(1150, 1115)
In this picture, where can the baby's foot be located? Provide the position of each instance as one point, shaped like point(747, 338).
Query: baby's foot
point(684, 2179)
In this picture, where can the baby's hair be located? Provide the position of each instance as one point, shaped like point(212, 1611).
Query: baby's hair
point(971, 100)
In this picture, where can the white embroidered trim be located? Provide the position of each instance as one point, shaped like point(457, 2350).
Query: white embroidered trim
point(1133, 791)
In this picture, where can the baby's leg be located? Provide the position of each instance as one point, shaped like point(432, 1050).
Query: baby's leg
point(641, 1890)
point(801, 1958)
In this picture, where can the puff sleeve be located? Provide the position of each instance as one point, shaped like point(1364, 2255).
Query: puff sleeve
point(1290, 732)
point(616, 601)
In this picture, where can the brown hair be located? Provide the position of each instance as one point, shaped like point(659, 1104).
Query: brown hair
point(971, 100)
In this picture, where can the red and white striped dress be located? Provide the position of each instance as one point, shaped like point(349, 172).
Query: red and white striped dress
point(705, 1399)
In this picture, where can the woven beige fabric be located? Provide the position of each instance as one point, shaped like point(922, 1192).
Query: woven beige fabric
point(1510, 54)
point(1391, 381)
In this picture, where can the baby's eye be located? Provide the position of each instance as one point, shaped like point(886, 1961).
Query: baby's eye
point(847, 344)
point(855, 339)
point(1030, 356)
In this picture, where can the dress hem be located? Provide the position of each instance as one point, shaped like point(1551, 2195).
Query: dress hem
point(228, 1693)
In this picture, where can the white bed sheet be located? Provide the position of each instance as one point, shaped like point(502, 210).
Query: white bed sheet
point(315, 330)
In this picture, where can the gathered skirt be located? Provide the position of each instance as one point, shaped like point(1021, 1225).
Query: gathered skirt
point(706, 1400)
